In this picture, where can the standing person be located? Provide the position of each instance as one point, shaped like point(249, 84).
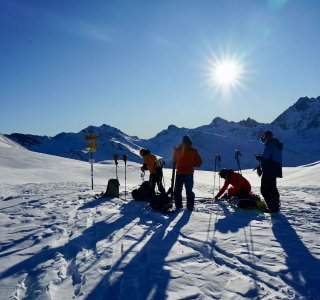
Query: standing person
point(271, 163)
point(151, 163)
point(240, 185)
point(186, 158)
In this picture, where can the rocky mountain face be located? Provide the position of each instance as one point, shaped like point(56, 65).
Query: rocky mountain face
point(302, 117)
point(298, 128)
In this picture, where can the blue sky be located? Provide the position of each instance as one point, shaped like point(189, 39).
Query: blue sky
point(143, 65)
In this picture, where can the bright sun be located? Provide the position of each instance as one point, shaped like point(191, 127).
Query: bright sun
point(226, 73)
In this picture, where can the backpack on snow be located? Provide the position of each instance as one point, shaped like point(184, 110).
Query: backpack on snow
point(250, 202)
point(161, 202)
point(143, 193)
point(112, 188)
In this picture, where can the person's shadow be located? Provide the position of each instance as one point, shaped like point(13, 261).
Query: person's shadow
point(303, 273)
point(234, 220)
point(145, 276)
point(87, 240)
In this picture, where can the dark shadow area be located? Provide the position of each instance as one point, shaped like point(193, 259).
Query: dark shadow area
point(97, 232)
point(303, 273)
point(234, 220)
point(16, 243)
point(96, 202)
point(145, 276)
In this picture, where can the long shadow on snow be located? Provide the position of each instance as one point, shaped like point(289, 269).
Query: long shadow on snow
point(97, 232)
point(16, 243)
point(303, 272)
point(94, 203)
point(234, 220)
point(145, 276)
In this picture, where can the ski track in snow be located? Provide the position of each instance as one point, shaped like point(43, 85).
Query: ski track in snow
point(64, 244)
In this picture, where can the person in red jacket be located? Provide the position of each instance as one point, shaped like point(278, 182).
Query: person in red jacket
point(186, 158)
point(240, 185)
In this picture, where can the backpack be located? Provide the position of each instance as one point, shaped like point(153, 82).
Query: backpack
point(161, 202)
point(251, 202)
point(143, 193)
point(113, 188)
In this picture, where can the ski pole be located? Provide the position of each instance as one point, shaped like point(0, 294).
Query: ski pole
point(217, 161)
point(91, 161)
point(115, 158)
point(214, 175)
point(125, 158)
point(219, 169)
point(172, 179)
point(237, 154)
point(173, 175)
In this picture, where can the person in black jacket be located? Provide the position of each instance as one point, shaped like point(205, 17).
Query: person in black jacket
point(271, 163)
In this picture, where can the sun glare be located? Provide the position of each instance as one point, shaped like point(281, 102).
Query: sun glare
point(226, 73)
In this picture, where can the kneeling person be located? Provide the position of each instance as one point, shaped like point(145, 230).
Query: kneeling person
point(240, 185)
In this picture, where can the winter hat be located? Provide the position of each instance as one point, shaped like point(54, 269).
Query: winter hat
point(224, 173)
point(267, 134)
point(142, 152)
point(186, 139)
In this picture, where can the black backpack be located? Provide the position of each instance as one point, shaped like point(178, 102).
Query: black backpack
point(251, 201)
point(143, 193)
point(161, 202)
point(112, 188)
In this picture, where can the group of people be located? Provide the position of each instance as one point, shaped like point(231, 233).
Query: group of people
point(186, 158)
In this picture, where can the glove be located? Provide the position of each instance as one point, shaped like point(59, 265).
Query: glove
point(259, 171)
point(216, 198)
point(144, 167)
point(258, 156)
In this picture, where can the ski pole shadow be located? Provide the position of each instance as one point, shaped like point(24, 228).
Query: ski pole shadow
point(145, 276)
point(234, 220)
point(87, 240)
point(303, 273)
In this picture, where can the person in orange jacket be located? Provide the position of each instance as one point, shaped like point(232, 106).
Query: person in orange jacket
point(186, 158)
point(151, 163)
point(240, 185)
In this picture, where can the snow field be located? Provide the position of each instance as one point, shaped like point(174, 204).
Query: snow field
point(58, 242)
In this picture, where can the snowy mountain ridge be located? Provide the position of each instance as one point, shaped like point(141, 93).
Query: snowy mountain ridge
point(298, 128)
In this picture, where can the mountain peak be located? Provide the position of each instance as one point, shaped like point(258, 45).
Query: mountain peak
point(249, 122)
point(172, 127)
point(302, 115)
point(218, 122)
point(302, 104)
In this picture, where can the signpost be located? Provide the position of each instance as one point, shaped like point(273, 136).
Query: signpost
point(125, 158)
point(91, 138)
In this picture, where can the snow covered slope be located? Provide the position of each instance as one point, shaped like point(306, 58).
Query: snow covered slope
point(58, 242)
point(9, 143)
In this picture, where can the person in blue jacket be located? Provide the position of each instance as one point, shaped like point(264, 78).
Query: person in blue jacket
point(271, 164)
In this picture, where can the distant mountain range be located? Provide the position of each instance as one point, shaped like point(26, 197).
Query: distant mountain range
point(298, 128)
